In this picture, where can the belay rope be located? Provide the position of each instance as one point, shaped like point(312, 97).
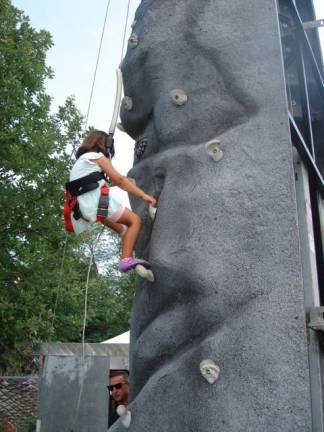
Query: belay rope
point(111, 134)
point(111, 140)
point(96, 67)
point(73, 151)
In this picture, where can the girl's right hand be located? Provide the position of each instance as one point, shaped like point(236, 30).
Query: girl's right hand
point(149, 199)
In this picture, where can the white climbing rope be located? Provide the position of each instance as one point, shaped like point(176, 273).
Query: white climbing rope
point(111, 130)
point(73, 151)
point(92, 249)
point(77, 409)
point(119, 88)
point(125, 29)
point(59, 285)
point(96, 67)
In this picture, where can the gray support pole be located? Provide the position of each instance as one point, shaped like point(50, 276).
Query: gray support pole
point(311, 292)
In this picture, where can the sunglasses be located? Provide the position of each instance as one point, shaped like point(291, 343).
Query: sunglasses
point(116, 386)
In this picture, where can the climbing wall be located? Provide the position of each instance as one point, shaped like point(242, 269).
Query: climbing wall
point(205, 102)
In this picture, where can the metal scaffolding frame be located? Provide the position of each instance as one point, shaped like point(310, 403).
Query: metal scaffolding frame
point(303, 65)
point(303, 68)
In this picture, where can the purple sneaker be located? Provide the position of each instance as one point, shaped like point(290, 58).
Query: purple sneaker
point(130, 263)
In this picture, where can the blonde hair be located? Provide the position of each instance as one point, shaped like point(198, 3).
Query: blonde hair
point(95, 141)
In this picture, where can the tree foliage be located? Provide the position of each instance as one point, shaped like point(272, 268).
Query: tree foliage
point(42, 295)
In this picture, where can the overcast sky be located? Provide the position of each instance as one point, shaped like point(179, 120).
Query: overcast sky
point(76, 27)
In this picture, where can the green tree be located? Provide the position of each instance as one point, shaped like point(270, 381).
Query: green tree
point(41, 297)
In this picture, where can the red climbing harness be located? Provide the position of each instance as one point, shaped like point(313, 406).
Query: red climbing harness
point(79, 187)
point(69, 206)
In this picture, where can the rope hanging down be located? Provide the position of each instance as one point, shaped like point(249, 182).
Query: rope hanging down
point(111, 131)
point(73, 151)
point(125, 29)
point(119, 86)
point(96, 67)
point(110, 135)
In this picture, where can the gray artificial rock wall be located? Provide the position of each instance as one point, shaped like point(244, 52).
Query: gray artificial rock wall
point(224, 245)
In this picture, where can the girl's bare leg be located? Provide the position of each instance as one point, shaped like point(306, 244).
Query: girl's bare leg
point(117, 227)
point(133, 223)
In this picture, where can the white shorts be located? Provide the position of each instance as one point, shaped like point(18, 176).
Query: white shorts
point(116, 207)
point(88, 204)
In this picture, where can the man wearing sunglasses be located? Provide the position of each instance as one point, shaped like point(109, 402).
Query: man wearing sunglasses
point(118, 389)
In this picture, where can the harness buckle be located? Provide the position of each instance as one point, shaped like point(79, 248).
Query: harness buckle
point(103, 204)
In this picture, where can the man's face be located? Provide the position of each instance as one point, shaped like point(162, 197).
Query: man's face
point(120, 392)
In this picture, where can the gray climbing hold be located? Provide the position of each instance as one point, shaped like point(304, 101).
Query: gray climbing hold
point(133, 24)
point(213, 150)
point(152, 211)
point(120, 127)
point(131, 179)
point(125, 415)
point(144, 273)
point(209, 370)
point(127, 103)
point(133, 40)
point(178, 97)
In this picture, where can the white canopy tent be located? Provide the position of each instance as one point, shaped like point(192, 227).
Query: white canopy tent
point(120, 339)
point(119, 351)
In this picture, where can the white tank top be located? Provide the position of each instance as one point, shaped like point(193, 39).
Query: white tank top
point(88, 202)
point(84, 165)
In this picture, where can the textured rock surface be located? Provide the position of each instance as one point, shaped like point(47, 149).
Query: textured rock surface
point(224, 245)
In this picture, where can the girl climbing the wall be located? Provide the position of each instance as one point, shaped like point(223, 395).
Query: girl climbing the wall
point(87, 190)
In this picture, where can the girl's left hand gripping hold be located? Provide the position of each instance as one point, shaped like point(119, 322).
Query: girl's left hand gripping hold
point(149, 199)
point(123, 182)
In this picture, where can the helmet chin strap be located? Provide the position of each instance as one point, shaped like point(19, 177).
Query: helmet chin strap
point(110, 148)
